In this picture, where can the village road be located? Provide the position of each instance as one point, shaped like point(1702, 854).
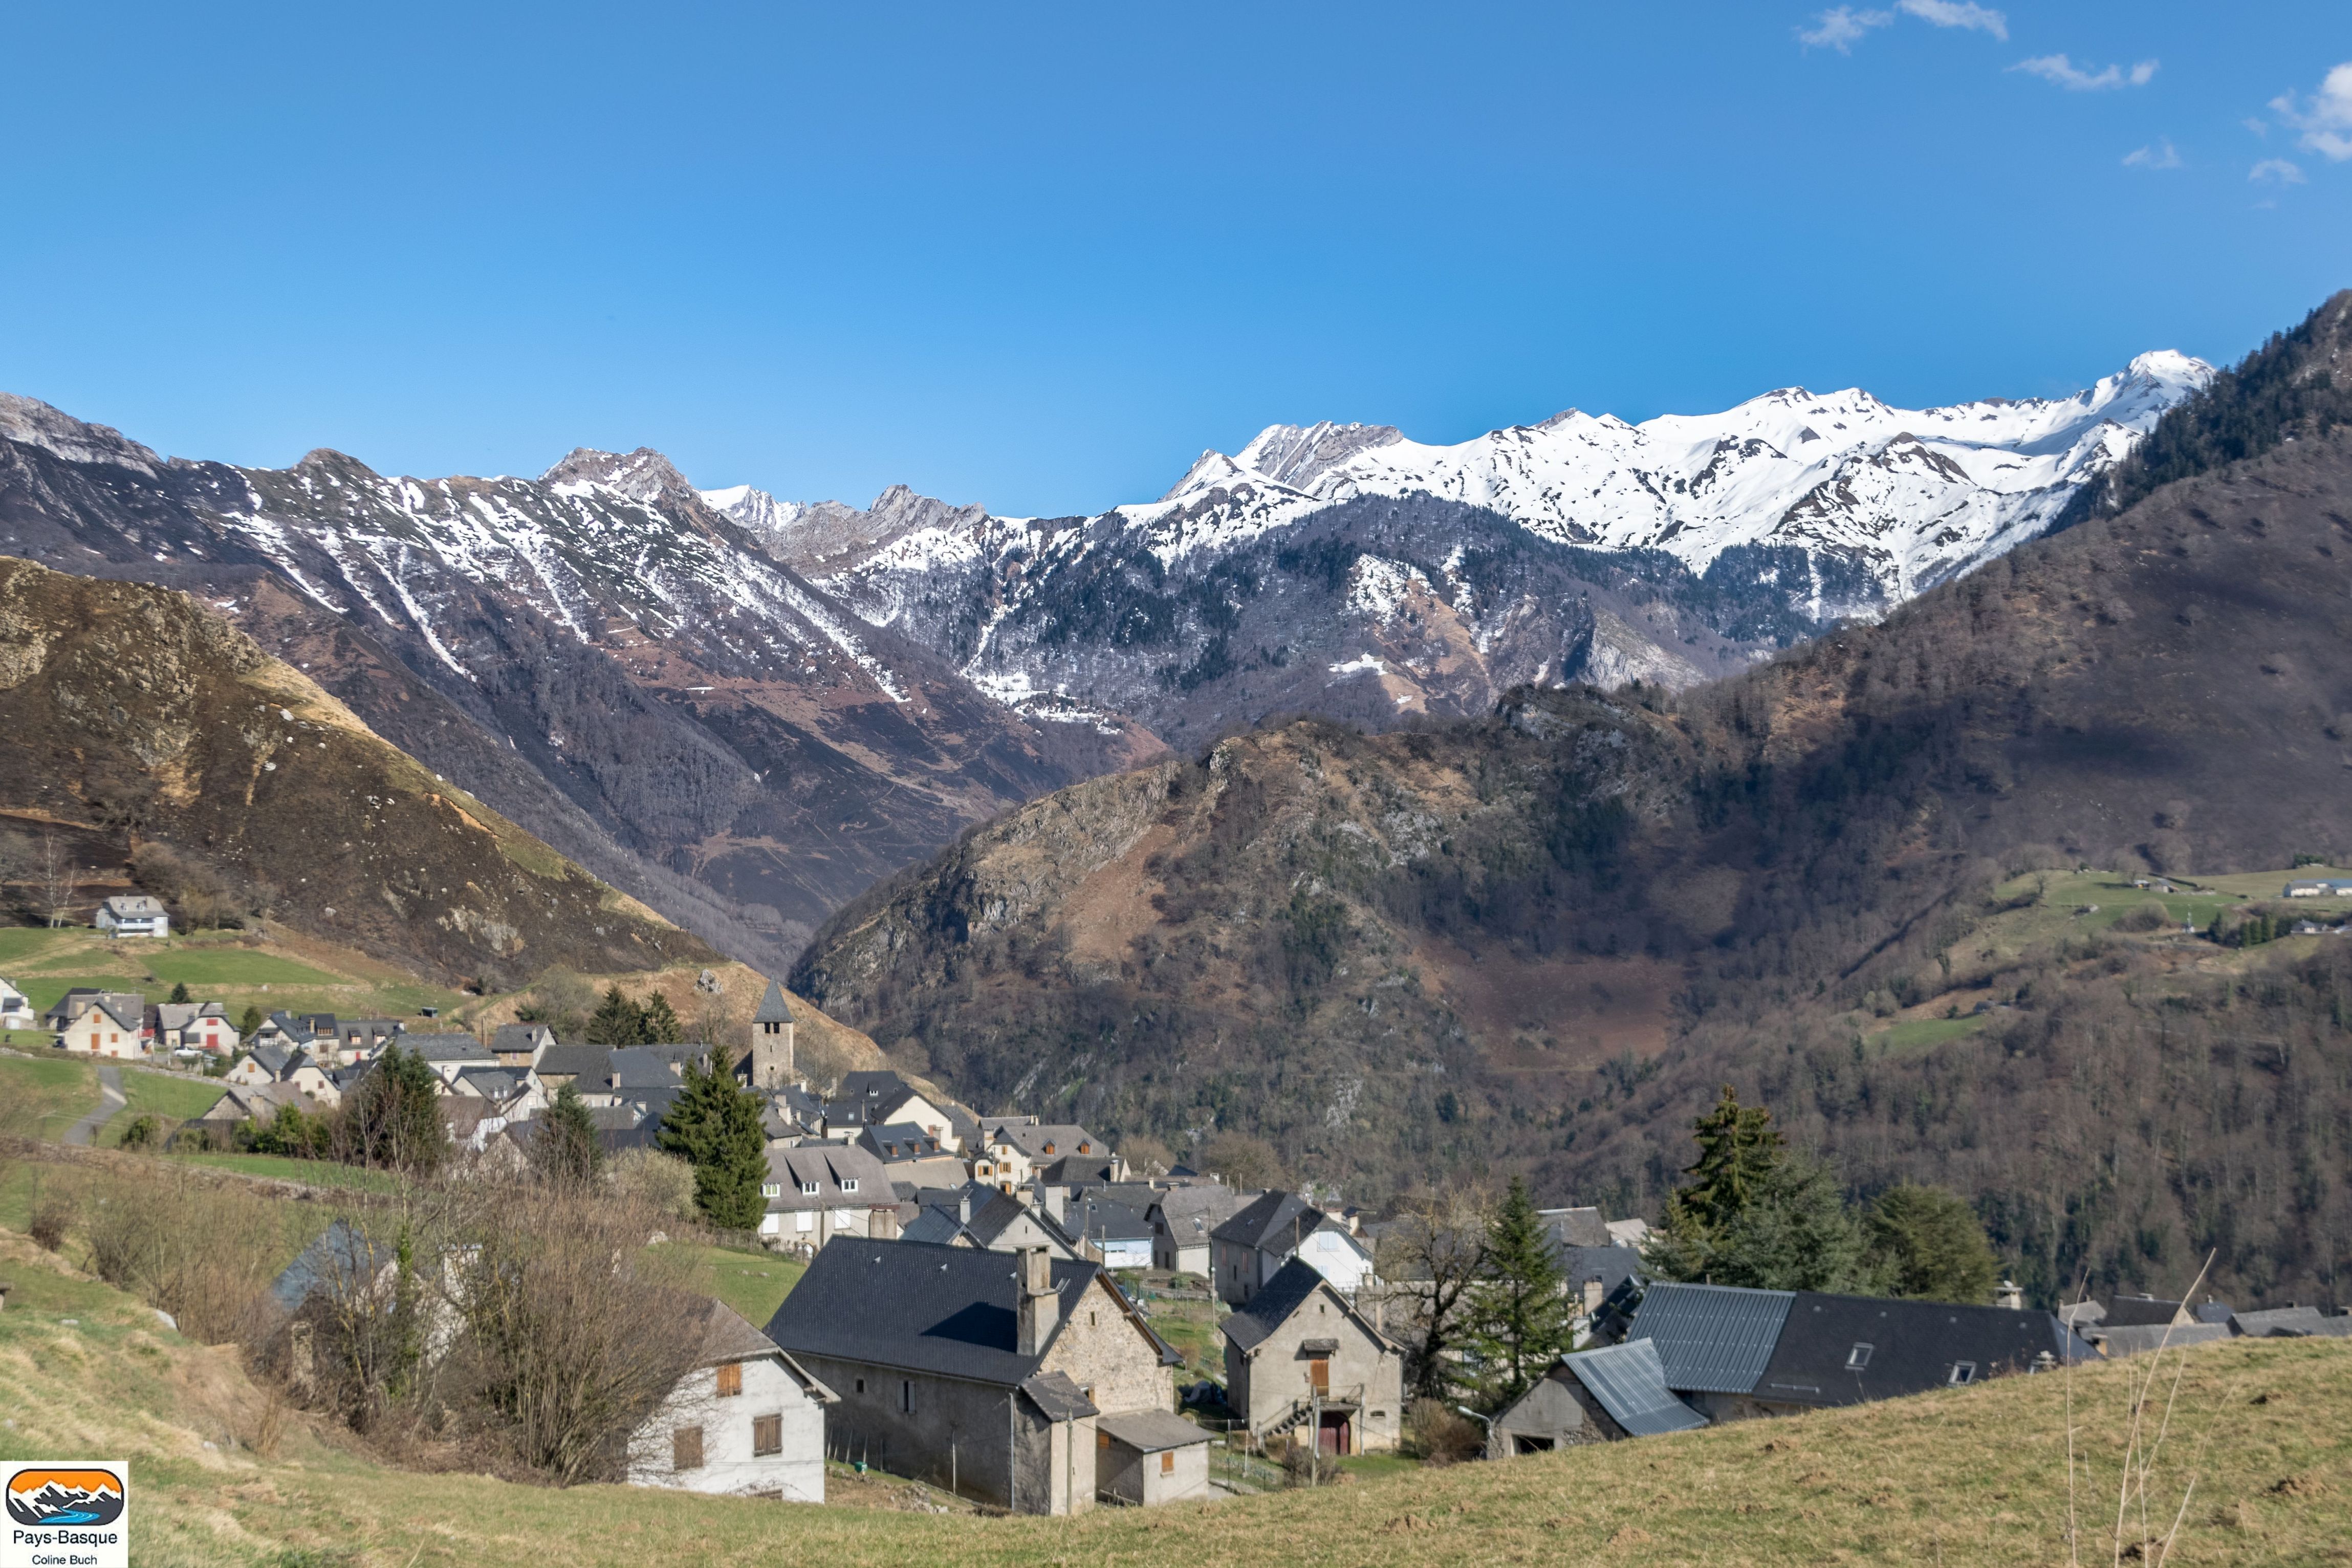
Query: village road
point(109, 1100)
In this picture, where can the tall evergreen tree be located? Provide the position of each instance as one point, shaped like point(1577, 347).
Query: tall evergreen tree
point(1518, 1318)
point(1755, 1213)
point(659, 1024)
point(566, 1149)
point(393, 1116)
point(251, 1022)
point(714, 1125)
point(180, 992)
point(1926, 1242)
point(617, 1021)
point(1737, 1149)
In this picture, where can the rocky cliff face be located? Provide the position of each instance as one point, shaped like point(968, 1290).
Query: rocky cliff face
point(144, 729)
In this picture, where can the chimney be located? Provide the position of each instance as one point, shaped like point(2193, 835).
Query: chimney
point(1040, 1312)
point(2009, 1293)
point(964, 1207)
point(1592, 1295)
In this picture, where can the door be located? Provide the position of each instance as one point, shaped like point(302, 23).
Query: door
point(1319, 1376)
point(1336, 1436)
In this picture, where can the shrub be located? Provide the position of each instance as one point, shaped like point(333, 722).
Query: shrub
point(53, 1215)
point(143, 1131)
point(2147, 915)
point(1438, 1434)
point(662, 1183)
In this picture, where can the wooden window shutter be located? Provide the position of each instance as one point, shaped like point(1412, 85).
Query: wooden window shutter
point(1168, 1461)
point(1318, 1373)
point(1102, 1439)
point(730, 1379)
point(767, 1434)
point(686, 1448)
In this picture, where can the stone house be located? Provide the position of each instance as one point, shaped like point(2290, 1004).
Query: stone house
point(1148, 1457)
point(446, 1055)
point(981, 1372)
point(1593, 1396)
point(1182, 1219)
point(983, 1218)
point(819, 1191)
point(1300, 1359)
point(106, 1029)
point(519, 1045)
point(883, 1098)
point(264, 1063)
point(747, 1421)
point(1247, 1250)
point(191, 1026)
point(1111, 1232)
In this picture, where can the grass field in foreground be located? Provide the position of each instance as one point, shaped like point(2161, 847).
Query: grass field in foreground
point(1968, 1476)
point(47, 1095)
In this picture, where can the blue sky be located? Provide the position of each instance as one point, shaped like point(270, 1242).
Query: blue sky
point(1039, 257)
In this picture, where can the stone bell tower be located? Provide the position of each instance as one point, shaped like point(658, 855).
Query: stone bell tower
point(771, 1040)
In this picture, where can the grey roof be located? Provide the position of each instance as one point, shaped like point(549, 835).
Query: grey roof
point(517, 1039)
point(2137, 1339)
point(1058, 1397)
point(828, 1165)
point(1048, 1141)
point(444, 1047)
point(2129, 1311)
point(1712, 1338)
point(1292, 1286)
point(591, 1063)
point(275, 1059)
point(1914, 1346)
point(1152, 1431)
point(773, 1008)
point(340, 1259)
point(134, 906)
point(1575, 1227)
point(2279, 1323)
point(900, 1140)
point(1630, 1384)
point(1099, 1220)
point(1190, 1213)
point(909, 1304)
point(1612, 1266)
point(643, 1067)
point(491, 1082)
point(1274, 1219)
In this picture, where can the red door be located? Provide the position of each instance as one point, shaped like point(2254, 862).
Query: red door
point(1336, 1436)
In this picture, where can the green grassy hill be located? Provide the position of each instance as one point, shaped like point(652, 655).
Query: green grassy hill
point(222, 1476)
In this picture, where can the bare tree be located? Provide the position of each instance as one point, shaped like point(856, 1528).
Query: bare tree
point(60, 878)
point(1430, 1261)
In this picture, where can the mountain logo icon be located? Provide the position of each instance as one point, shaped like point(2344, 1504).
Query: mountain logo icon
point(60, 1496)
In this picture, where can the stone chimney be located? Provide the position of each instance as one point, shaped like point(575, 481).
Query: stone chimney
point(1592, 1295)
point(964, 1207)
point(1040, 1312)
point(2009, 1293)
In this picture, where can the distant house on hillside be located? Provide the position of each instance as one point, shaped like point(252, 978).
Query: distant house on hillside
point(2319, 889)
point(748, 1420)
point(978, 1216)
point(519, 1045)
point(1251, 1248)
point(191, 1026)
point(819, 1191)
point(133, 914)
point(81, 998)
point(15, 1012)
point(1182, 1219)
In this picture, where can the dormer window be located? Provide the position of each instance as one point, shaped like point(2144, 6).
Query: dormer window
point(848, 1183)
point(808, 1189)
point(772, 1190)
point(1086, 1147)
point(1049, 1148)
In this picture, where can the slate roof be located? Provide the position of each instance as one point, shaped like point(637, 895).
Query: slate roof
point(1629, 1382)
point(1100, 1220)
point(495, 1083)
point(275, 1059)
point(2282, 1322)
point(951, 1310)
point(773, 1008)
point(2129, 1311)
point(1061, 1399)
point(1575, 1227)
point(520, 1039)
point(1190, 1213)
point(590, 1066)
point(900, 1140)
point(340, 1259)
point(1711, 1339)
point(1611, 1265)
point(1914, 1345)
point(1152, 1431)
point(444, 1047)
point(828, 1165)
point(133, 906)
point(643, 1067)
point(2139, 1339)
point(1275, 1219)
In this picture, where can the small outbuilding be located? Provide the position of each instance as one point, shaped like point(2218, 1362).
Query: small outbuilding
point(1146, 1457)
point(1593, 1396)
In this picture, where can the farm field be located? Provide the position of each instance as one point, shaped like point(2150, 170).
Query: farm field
point(292, 973)
point(45, 1096)
point(1976, 1475)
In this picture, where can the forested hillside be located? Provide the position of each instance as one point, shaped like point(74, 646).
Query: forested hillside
point(1543, 939)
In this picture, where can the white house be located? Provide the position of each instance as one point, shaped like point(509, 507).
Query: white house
point(748, 1421)
point(194, 1026)
point(1247, 1250)
point(105, 1029)
point(15, 1012)
point(133, 914)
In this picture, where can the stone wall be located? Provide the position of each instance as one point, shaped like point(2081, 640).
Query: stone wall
point(1106, 1352)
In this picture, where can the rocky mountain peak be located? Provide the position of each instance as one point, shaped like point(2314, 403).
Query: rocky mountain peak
point(642, 475)
point(36, 424)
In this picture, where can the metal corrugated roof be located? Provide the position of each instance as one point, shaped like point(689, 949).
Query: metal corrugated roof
point(1630, 1384)
point(1711, 1339)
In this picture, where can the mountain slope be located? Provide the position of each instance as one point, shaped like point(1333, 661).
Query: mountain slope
point(1543, 938)
point(701, 710)
point(137, 722)
point(1348, 571)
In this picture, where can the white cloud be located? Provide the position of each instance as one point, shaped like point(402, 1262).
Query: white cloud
point(2278, 169)
point(2160, 155)
point(2326, 121)
point(1842, 28)
point(2259, 126)
point(1957, 14)
point(2062, 72)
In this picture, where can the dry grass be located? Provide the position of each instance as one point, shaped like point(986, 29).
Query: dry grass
point(1973, 1475)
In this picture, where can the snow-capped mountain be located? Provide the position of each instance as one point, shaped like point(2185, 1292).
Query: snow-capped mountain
point(1580, 548)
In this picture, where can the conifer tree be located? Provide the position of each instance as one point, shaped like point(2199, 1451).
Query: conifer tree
point(251, 1024)
point(180, 992)
point(1518, 1317)
point(566, 1149)
point(1927, 1243)
point(617, 1021)
point(715, 1126)
point(394, 1118)
point(660, 1024)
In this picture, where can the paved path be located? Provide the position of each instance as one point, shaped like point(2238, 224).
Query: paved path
point(109, 1100)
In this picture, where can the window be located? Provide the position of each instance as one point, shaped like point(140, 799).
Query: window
point(1102, 1439)
point(686, 1448)
point(772, 1189)
point(861, 1386)
point(1857, 1357)
point(730, 1380)
point(1962, 1372)
point(848, 1183)
point(1049, 1148)
point(906, 1396)
point(1319, 1374)
point(805, 1221)
point(808, 1189)
point(1168, 1461)
point(767, 1434)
